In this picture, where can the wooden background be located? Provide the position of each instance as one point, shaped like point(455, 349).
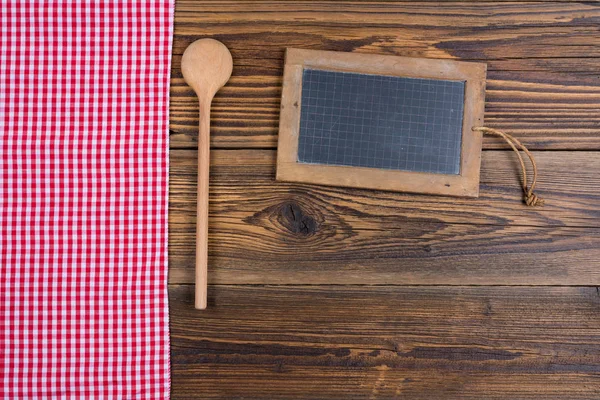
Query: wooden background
point(322, 292)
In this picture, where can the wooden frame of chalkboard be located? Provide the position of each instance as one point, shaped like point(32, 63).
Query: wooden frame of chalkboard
point(465, 183)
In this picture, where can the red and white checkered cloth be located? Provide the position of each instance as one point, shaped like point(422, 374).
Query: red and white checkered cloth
point(84, 89)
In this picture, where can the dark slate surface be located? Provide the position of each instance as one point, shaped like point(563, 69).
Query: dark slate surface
point(381, 122)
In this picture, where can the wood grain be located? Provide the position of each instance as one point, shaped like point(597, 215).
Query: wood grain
point(386, 343)
point(331, 340)
point(262, 231)
point(542, 86)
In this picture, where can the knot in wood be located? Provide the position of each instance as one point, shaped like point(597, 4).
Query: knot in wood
point(295, 219)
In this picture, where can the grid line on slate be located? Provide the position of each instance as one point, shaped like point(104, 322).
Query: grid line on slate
point(384, 122)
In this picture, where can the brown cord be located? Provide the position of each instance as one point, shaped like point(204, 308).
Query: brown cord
point(530, 198)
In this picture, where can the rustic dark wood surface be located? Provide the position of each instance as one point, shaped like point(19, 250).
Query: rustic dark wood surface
point(369, 342)
point(320, 292)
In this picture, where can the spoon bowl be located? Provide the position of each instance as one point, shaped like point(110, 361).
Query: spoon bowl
point(206, 66)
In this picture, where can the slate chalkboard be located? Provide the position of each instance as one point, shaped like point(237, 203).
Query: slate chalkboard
point(376, 121)
point(381, 122)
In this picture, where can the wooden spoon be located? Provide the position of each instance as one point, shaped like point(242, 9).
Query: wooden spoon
point(206, 66)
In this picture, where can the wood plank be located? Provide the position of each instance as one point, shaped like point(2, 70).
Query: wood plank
point(386, 342)
point(262, 231)
point(542, 80)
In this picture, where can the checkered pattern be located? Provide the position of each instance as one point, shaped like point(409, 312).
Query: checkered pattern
point(83, 198)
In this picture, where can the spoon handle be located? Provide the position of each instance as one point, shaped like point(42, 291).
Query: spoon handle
point(202, 207)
